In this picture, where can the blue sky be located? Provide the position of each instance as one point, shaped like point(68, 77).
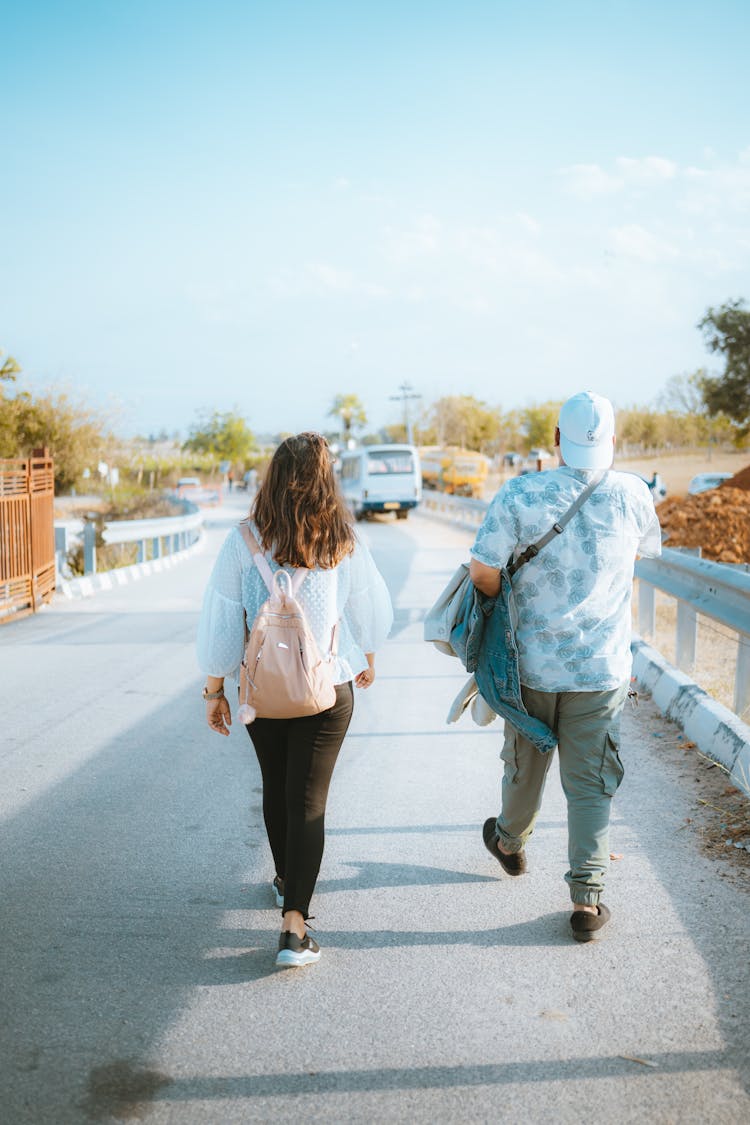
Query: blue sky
point(261, 205)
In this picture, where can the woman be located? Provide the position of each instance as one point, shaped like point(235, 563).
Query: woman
point(300, 520)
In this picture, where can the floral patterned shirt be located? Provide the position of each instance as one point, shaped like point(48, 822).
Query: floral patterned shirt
point(573, 599)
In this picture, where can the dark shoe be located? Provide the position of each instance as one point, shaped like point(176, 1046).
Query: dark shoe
point(278, 890)
point(514, 864)
point(585, 925)
point(296, 951)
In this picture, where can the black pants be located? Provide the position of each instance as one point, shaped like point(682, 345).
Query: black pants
point(296, 758)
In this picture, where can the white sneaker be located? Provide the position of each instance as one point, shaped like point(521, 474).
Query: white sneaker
point(278, 889)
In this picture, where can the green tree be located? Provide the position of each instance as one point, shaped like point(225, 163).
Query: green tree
point(641, 427)
point(8, 370)
point(686, 420)
point(76, 436)
point(222, 437)
point(727, 330)
point(683, 395)
point(464, 421)
point(424, 427)
point(395, 433)
point(538, 424)
point(512, 438)
point(350, 410)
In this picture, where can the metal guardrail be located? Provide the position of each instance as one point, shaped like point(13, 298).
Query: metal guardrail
point(715, 590)
point(462, 510)
point(139, 531)
point(155, 537)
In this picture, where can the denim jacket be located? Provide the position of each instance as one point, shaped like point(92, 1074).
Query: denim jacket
point(480, 632)
point(467, 626)
point(494, 655)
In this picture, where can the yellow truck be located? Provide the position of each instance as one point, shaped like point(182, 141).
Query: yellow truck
point(460, 472)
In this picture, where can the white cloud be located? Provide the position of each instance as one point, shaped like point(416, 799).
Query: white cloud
point(646, 169)
point(634, 241)
point(505, 252)
point(588, 181)
point(643, 223)
point(421, 240)
point(321, 279)
point(476, 303)
point(528, 222)
point(329, 277)
point(714, 188)
point(718, 190)
point(464, 267)
point(480, 246)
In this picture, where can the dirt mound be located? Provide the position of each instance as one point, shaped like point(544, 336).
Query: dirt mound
point(718, 521)
point(739, 480)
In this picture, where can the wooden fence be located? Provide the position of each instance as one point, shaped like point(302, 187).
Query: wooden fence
point(27, 534)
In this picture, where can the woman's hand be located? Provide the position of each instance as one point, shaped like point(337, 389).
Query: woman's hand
point(365, 678)
point(219, 715)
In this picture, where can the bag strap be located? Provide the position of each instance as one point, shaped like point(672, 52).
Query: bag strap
point(261, 562)
point(270, 578)
point(557, 528)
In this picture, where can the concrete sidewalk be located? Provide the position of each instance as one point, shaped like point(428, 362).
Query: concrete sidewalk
point(139, 932)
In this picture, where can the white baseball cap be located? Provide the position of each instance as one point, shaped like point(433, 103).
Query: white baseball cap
point(587, 426)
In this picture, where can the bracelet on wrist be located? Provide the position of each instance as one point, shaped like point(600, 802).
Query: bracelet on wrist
point(208, 695)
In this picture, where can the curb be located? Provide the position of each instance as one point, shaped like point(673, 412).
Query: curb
point(717, 732)
point(87, 586)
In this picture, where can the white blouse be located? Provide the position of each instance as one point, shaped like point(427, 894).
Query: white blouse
point(352, 593)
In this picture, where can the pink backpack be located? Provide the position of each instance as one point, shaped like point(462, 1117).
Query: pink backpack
point(283, 675)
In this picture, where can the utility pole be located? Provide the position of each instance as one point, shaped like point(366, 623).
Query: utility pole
point(407, 393)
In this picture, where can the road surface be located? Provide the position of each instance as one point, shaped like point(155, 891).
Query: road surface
point(138, 933)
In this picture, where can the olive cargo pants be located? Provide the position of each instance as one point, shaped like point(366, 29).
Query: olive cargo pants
point(587, 725)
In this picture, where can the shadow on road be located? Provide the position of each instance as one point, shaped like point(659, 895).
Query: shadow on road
point(113, 887)
point(118, 881)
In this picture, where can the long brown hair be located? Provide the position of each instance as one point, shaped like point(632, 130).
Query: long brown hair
point(299, 511)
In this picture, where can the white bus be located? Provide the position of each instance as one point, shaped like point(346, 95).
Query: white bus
point(381, 478)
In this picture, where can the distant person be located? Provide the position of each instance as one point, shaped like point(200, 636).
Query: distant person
point(300, 520)
point(573, 641)
point(657, 487)
point(251, 480)
point(230, 480)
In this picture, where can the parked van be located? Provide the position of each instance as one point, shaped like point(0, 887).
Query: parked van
point(381, 478)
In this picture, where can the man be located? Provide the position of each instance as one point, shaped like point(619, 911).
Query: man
point(573, 639)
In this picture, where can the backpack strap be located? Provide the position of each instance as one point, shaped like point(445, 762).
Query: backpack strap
point(261, 562)
point(557, 528)
point(296, 580)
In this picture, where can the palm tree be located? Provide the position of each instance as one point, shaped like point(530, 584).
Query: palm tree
point(351, 412)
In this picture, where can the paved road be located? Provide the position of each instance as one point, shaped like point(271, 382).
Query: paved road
point(138, 936)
